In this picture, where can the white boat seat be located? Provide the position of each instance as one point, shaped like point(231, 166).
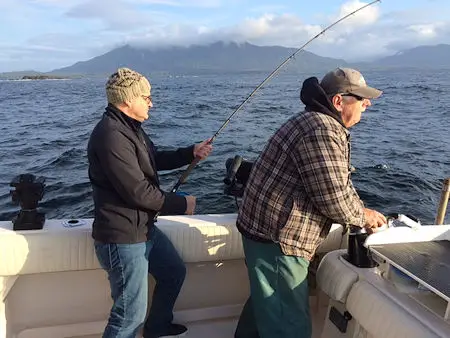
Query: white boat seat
point(334, 277)
point(55, 248)
point(381, 316)
point(335, 240)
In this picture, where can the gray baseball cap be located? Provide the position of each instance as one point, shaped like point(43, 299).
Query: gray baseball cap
point(348, 81)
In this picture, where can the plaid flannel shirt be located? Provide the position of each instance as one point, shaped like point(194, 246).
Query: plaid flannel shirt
point(300, 185)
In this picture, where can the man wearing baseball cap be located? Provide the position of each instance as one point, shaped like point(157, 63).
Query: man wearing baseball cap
point(348, 81)
point(299, 186)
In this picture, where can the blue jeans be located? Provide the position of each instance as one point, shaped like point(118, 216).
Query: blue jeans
point(279, 299)
point(128, 266)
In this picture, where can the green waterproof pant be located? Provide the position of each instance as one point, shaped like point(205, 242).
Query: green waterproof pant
point(278, 306)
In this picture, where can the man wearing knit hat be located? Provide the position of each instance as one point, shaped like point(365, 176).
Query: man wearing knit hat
point(123, 164)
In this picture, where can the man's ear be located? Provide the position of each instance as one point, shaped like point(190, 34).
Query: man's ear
point(127, 104)
point(124, 106)
point(337, 101)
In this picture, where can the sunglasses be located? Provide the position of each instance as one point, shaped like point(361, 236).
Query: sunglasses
point(359, 98)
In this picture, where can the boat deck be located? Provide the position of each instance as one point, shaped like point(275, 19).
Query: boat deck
point(224, 328)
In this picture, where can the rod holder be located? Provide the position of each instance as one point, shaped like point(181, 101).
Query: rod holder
point(442, 209)
point(28, 191)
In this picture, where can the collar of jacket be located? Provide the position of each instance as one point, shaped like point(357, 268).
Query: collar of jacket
point(117, 114)
point(315, 99)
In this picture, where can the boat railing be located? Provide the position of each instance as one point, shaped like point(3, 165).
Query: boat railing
point(442, 208)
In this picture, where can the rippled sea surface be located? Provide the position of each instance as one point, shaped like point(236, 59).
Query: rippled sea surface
point(401, 148)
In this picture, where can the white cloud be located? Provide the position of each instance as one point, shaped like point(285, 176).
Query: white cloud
point(358, 23)
point(87, 28)
point(426, 30)
point(284, 29)
point(174, 3)
point(182, 3)
point(115, 15)
point(56, 3)
point(364, 17)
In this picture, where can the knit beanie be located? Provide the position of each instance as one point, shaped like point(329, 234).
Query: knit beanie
point(125, 85)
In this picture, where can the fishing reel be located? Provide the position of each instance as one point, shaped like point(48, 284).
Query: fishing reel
point(238, 172)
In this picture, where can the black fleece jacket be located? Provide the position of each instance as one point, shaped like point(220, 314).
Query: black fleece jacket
point(123, 164)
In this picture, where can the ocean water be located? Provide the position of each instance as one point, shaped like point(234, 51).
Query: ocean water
point(400, 149)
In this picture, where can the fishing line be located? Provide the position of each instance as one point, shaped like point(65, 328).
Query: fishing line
point(188, 170)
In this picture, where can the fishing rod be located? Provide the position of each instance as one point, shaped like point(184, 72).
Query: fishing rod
point(188, 170)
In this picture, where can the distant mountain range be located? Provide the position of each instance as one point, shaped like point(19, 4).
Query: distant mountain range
point(217, 57)
point(232, 57)
point(437, 56)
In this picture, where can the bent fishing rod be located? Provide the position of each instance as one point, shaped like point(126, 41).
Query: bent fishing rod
point(188, 170)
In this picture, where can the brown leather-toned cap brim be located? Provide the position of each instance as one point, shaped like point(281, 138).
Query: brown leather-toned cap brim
point(367, 92)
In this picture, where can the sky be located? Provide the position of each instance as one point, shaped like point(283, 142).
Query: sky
point(48, 34)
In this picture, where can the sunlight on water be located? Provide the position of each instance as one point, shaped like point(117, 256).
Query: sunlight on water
point(399, 148)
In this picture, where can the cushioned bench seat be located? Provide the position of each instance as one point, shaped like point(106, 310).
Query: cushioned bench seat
point(377, 307)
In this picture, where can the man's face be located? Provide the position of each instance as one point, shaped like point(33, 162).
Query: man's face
point(351, 107)
point(140, 107)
